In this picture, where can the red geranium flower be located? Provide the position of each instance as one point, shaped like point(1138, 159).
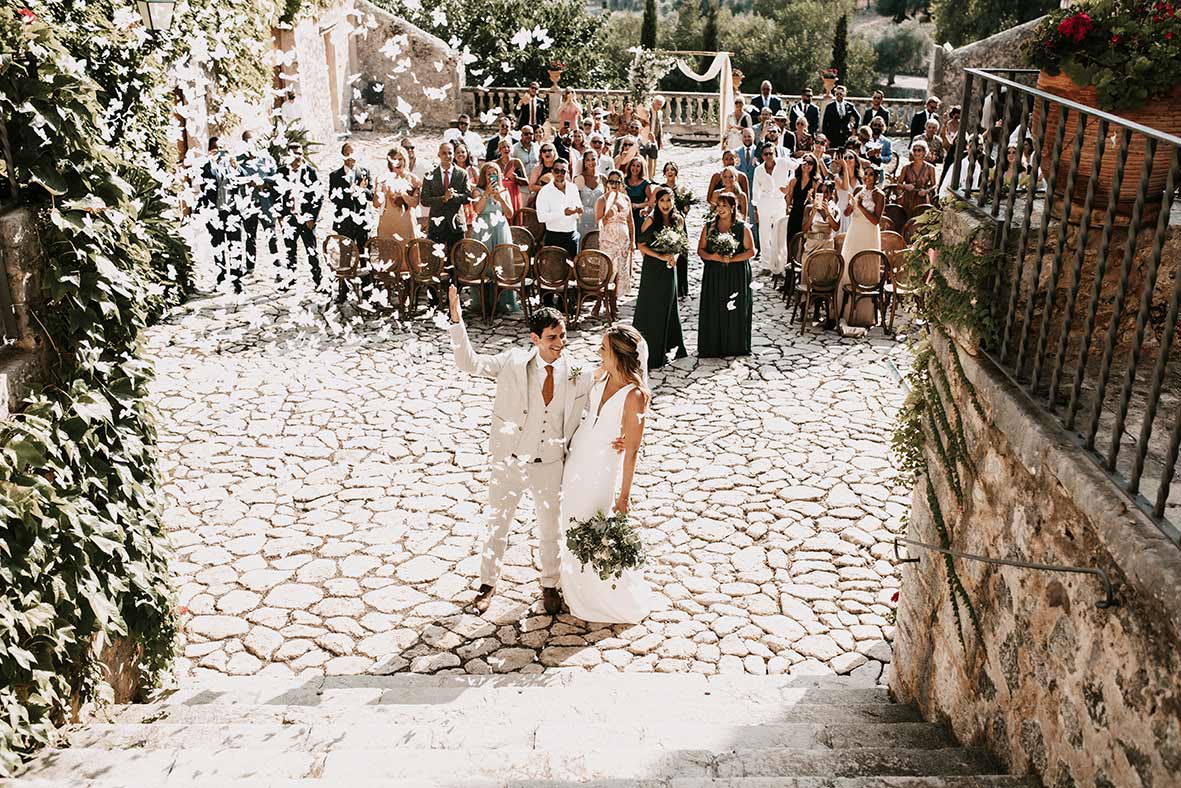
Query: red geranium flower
point(26, 15)
point(1115, 39)
point(1076, 26)
point(895, 597)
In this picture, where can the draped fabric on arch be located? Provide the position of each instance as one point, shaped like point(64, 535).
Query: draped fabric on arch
point(720, 68)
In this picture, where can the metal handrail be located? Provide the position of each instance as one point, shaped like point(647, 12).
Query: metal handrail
point(1109, 599)
point(992, 75)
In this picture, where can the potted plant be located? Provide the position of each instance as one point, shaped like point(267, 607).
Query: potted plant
point(556, 67)
point(1120, 56)
point(829, 77)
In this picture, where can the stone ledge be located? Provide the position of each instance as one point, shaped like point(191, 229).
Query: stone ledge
point(1150, 563)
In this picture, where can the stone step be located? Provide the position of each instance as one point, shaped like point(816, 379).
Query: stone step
point(553, 734)
point(216, 767)
point(942, 781)
point(532, 710)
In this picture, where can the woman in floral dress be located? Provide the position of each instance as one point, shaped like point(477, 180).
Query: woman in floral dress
point(617, 233)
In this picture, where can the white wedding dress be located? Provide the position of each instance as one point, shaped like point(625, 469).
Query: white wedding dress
point(590, 483)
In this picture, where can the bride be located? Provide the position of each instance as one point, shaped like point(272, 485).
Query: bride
point(598, 477)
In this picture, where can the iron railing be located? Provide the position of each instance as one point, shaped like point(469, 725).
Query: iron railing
point(1086, 317)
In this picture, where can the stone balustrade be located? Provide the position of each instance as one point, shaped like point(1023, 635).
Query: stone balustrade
point(685, 111)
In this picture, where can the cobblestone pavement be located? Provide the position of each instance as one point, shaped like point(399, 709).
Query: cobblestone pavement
point(325, 474)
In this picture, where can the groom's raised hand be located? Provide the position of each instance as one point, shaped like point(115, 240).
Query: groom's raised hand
point(453, 300)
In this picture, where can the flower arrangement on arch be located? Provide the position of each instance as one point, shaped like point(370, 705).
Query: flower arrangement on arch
point(1128, 50)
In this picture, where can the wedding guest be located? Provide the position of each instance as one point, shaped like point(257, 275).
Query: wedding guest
point(934, 141)
point(949, 133)
point(730, 180)
point(512, 173)
point(464, 160)
point(527, 150)
point(739, 120)
point(726, 313)
point(415, 166)
point(877, 135)
point(801, 140)
point(257, 169)
point(876, 110)
point(627, 148)
point(766, 120)
point(591, 186)
point(917, 178)
point(822, 220)
point(766, 99)
point(748, 159)
point(605, 163)
point(462, 133)
point(351, 193)
point(918, 121)
point(218, 174)
point(864, 234)
point(493, 215)
point(504, 131)
point(532, 109)
point(768, 196)
point(804, 108)
point(617, 233)
point(639, 190)
point(655, 135)
point(569, 112)
point(445, 192)
point(840, 118)
point(542, 174)
point(558, 208)
point(395, 196)
point(729, 159)
point(846, 179)
point(299, 210)
point(656, 316)
point(681, 199)
point(799, 188)
point(773, 139)
point(623, 120)
point(631, 132)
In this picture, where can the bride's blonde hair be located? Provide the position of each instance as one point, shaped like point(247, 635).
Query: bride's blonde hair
point(624, 342)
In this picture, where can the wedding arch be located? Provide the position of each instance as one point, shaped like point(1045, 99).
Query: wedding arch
point(650, 65)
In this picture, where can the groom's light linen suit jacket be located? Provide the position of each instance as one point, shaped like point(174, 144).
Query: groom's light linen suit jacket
point(510, 370)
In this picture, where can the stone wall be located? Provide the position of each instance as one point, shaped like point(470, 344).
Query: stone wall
point(411, 64)
point(322, 67)
point(1052, 684)
point(945, 77)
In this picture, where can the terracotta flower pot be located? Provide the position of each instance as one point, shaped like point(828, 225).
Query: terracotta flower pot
point(1160, 114)
point(829, 84)
point(554, 76)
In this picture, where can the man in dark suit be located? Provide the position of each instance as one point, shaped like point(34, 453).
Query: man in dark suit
point(350, 188)
point(918, 122)
point(445, 191)
point(840, 119)
point(503, 132)
point(804, 108)
point(876, 110)
point(219, 190)
point(748, 159)
point(532, 110)
point(765, 100)
point(300, 203)
point(256, 169)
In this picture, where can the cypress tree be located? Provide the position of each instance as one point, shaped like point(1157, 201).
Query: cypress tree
point(648, 29)
point(840, 49)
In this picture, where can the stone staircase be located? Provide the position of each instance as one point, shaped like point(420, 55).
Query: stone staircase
point(527, 731)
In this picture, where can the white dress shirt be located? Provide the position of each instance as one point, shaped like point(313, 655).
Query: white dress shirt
point(765, 191)
point(552, 204)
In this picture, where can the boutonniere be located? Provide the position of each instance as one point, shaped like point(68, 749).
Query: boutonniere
point(574, 373)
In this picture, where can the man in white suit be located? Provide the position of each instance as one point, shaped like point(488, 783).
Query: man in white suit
point(540, 398)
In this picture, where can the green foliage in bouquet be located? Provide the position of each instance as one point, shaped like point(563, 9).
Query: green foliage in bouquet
point(609, 544)
point(725, 244)
point(670, 240)
point(684, 198)
point(1128, 50)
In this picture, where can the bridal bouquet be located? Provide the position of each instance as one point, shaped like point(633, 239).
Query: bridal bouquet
point(724, 244)
point(684, 198)
point(670, 240)
point(610, 544)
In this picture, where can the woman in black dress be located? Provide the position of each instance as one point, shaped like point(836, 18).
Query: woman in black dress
point(724, 322)
point(656, 316)
point(639, 189)
point(681, 198)
point(797, 190)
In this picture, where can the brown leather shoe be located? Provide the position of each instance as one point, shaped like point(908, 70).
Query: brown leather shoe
point(483, 599)
point(551, 598)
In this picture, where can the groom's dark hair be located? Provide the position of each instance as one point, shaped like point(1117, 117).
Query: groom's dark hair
point(546, 317)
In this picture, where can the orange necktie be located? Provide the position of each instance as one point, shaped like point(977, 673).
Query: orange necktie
point(547, 388)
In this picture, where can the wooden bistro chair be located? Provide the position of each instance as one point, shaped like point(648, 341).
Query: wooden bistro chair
point(892, 242)
point(524, 239)
point(589, 241)
point(427, 265)
point(527, 218)
point(896, 214)
point(884, 224)
point(469, 262)
point(908, 230)
point(898, 286)
point(509, 267)
point(818, 283)
point(344, 261)
point(795, 255)
point(387, 259)
point(595, 275)
point(867, 276)
point(551, 274)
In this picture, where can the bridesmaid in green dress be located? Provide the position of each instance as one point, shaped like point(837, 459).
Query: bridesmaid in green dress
point(724, 322)
point(656, 316)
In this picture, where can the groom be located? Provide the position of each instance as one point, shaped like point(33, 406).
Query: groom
point(540, 398)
